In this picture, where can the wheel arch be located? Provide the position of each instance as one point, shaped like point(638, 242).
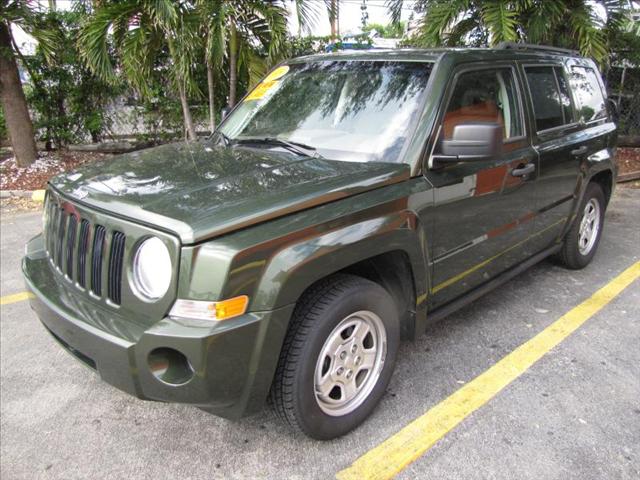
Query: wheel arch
point(605, 179)
point(391, 257)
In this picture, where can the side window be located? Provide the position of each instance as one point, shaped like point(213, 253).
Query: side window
point(550, 96)
point(591, 104)
point(485, 96)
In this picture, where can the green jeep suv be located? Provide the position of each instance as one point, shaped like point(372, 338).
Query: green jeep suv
point(348, 201)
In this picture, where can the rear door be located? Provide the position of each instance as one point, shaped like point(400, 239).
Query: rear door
point(560, 124)
point(481, 216)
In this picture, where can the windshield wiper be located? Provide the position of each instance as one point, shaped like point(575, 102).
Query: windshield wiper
point(225, 140)
point(295, 147)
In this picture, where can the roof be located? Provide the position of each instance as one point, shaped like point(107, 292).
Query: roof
point(433, 54)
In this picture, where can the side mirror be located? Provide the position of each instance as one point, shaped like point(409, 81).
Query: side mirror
point(225, 112)
point(472, 141)
point(614, 109)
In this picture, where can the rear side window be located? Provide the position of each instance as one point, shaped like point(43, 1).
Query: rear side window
point(485, 96)
point(550, 96)
point(591, 104)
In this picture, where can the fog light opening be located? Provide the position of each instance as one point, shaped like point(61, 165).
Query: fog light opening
point(169, 366)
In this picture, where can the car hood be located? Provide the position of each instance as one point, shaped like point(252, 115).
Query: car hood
point(200, 190)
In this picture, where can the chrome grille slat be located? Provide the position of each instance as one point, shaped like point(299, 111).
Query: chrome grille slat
point(83, 248)
point(97, 256)
point(62, 224)
point(116, 257)
point(53, 228)
point(71, 244)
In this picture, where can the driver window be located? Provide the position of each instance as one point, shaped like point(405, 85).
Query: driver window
point(485, 96)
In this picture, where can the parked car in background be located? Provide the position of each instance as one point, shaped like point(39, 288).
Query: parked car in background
point(346, 203)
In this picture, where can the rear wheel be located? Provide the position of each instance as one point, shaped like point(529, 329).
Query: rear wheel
point(582, 240)
point(337, 358)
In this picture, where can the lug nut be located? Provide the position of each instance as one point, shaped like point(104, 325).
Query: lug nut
point(349, 374)
point(354, 348)
point(358, 360)
point(343, 355)
point(340, 371)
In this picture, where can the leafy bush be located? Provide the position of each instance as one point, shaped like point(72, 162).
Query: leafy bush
point(68, 102)
point(391, 30)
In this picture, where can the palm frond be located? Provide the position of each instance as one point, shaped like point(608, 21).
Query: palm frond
point(308, 12)
point(440, 16)
point(394, 9)
point(500, 18)
point(458, 35)
point(93, 40)
point(590, 40)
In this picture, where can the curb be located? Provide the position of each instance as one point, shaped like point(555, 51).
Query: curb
point(35, 195)
point(628, 177)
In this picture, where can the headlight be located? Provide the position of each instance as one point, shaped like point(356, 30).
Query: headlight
point(152, 269)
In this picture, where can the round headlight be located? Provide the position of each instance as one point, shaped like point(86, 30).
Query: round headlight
point(152, 268)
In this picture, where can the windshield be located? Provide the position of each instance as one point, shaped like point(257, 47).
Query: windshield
point(346, 110)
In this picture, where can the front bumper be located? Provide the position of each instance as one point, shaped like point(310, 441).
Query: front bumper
point(233, 362)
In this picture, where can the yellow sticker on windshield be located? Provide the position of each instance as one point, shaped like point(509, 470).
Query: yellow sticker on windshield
point(267, 84)
point(277, 74)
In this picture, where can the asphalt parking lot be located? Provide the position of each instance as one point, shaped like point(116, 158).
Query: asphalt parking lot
point(574, 414)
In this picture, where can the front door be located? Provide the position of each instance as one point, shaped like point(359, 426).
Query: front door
point(481, 220)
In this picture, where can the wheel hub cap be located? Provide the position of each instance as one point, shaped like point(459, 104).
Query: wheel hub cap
point(350, 363)
point(589, 227)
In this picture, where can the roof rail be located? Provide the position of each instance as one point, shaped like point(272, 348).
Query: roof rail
point(531, 46)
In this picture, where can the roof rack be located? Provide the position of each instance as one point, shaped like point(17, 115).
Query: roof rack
point(531, 46)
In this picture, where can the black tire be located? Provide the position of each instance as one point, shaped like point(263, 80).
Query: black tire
point(570, 255)
point(318, 313)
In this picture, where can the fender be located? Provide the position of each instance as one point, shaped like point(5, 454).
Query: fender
point(296, 267)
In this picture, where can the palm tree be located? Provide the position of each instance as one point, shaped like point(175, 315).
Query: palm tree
point(564, 23)
point(18, 12)
point(333, 9)
point(245, 35)
point(139, 31)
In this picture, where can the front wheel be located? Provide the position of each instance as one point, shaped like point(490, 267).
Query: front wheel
point(337, 358)
point(582, 240)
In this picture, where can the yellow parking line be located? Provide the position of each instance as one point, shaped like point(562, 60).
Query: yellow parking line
point(16, 297)
point(38, 196)
point(398, 451)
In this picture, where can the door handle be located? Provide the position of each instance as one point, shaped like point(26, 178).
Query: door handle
point(580, 150)
point(524, 170)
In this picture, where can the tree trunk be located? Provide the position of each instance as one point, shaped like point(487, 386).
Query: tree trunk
point(14, 103)
point(233, 64)
point(333, 18)
point(186, 114)
point(212, 103)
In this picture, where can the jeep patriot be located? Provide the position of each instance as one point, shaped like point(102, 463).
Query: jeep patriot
point(347, 202)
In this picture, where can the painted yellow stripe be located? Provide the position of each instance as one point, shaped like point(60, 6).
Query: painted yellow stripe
point(37, 196)
point(16, 297)
point(466, 273)
point(397, 452)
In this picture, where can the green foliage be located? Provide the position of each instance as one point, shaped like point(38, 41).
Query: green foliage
point(67, 100)
point(391, 30)
point(300, 46)
point(563, 23)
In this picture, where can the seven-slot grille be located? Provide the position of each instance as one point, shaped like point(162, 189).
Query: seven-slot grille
point(81, 250)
